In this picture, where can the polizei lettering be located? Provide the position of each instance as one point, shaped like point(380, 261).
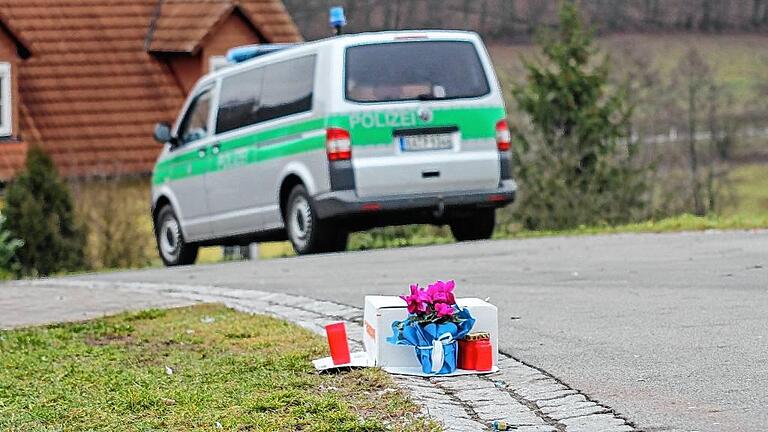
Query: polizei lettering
point(379, 119)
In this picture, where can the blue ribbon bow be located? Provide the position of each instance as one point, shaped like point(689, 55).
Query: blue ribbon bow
point(435, 344)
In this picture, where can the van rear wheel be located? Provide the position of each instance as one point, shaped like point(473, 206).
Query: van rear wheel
point(173, 249)
point(477, 226)
point(309, 234)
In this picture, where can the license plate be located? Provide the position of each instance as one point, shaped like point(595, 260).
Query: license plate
point(426, 142)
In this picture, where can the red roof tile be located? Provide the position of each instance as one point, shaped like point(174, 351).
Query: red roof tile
point(91, 93)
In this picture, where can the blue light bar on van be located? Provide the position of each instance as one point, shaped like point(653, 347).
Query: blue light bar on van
point(247, 52)
point(337, 18)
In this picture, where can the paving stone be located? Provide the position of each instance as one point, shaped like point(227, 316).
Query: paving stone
point(243, 294)
point(463, 425)
point(554, 395)
point(568, 406)
point(323, 308)
point(515, 381)
point(540, 428)
point(251, 306)
point(534, 391)
point(490, 413)
point(482, 395)
point(570, 399)
point(596, 423)
point(513, 366)
point(570, 412)
point(466, 382)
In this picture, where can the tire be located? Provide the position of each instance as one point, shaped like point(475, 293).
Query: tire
point(173, 249)
point(309, 234)
point(478, 226)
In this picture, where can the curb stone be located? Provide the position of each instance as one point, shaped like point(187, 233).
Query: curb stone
point(528, 399)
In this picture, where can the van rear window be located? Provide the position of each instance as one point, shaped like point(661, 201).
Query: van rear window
point(414, 70)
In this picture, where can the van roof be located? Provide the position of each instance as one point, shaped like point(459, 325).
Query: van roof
point(343, 41)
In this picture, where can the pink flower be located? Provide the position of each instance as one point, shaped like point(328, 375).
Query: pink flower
point(442, 292)
point(418, 300)
point(443, 310)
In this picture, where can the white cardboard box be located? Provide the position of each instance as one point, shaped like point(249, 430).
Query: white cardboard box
point(382, 311)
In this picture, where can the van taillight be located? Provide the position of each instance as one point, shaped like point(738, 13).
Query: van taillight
point(503, 136)
point(338, 144)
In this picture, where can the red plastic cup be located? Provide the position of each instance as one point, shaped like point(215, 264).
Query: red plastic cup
point(337, 342)
point(467, 355)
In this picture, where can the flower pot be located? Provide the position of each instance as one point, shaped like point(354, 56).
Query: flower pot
point(435, 344)
point(440, 353)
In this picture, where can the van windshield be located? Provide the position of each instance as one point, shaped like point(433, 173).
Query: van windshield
point(423, 70)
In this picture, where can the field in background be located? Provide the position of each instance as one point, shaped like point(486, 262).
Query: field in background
point(738, 61)
point(750, 184)
point(738, 64)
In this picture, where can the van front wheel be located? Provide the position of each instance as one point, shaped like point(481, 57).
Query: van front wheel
point(174, 250)
point(309, 234)
point(477, 226)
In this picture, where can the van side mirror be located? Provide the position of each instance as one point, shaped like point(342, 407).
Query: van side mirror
point(163, 133)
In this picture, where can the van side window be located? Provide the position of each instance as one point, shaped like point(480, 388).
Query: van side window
point(195, 123)
point(239, 101)
point(288, 88)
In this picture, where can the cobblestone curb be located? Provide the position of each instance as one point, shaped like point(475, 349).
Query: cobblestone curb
point(528, 399)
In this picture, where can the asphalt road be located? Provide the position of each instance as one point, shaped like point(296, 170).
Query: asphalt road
point(670, 330)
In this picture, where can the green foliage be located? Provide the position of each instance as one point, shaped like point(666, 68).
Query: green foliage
point(574, 163)
point(679, 223)
point(40, 212)
point(8, 247)
point(400, 236)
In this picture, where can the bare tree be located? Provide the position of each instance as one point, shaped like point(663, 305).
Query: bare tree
point(703, 102)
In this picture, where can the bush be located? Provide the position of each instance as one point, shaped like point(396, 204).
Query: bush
point(574, 162)
point(116, 212)
point(40, 212)
point(8, 247)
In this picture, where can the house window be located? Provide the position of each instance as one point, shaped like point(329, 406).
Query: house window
point(6, 106)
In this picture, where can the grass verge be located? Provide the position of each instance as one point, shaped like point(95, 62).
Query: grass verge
point(199, 368)
point(680, 223)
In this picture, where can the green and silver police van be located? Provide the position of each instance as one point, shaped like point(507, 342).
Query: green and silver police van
point(313, 141)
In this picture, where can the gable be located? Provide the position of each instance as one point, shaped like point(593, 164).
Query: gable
point(182, 26)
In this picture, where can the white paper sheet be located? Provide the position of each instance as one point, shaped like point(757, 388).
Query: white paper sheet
point(357, 359)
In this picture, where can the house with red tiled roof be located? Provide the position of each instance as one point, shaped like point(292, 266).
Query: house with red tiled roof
point(86, 80)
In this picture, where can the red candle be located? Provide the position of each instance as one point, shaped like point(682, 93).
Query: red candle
point(337, 342)
point(484, 355)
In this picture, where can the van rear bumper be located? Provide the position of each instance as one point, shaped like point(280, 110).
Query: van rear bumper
point(344, 203)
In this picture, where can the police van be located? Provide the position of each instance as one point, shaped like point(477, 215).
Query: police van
point(313, 141)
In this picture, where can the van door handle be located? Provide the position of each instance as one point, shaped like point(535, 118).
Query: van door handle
point(201, 153)
point(216, 149)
